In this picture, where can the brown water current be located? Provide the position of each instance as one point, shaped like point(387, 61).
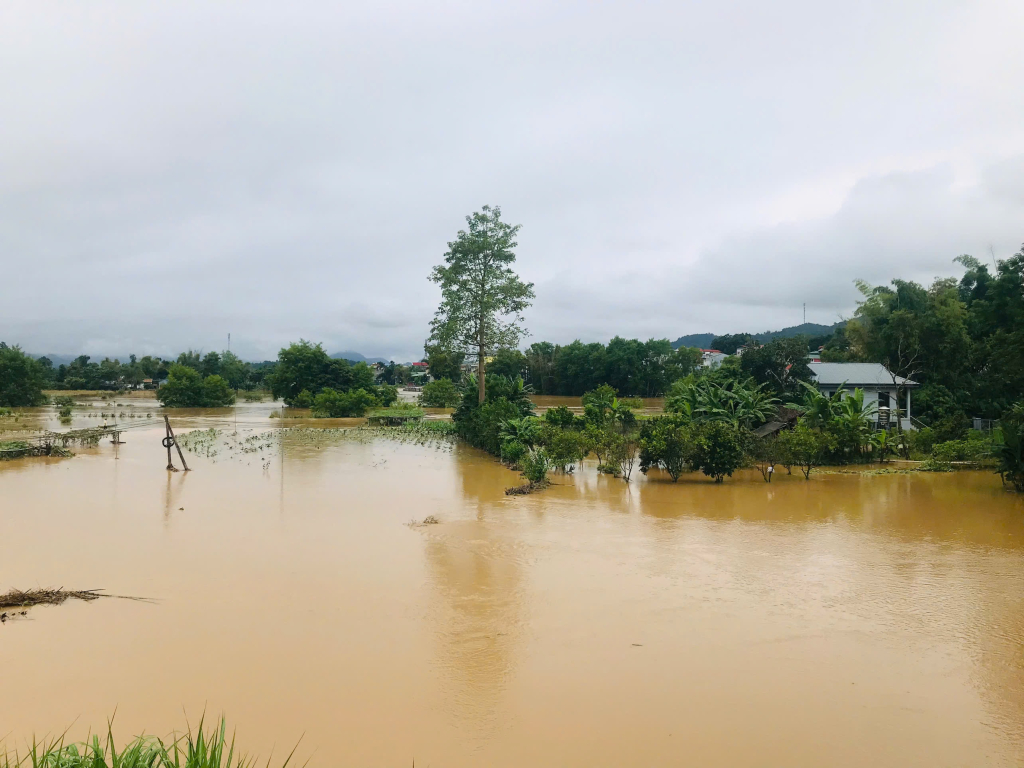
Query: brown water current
point(849, 620)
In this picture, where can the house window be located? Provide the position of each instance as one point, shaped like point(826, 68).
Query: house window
point(883, 399)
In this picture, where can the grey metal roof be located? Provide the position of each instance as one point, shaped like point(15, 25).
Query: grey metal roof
point(855, 375)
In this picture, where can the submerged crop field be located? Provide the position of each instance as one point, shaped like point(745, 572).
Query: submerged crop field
point(286, 585)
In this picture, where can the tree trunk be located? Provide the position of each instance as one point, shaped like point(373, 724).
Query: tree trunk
point(480, 374)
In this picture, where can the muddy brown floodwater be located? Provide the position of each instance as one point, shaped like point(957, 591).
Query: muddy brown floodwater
point(852, 620)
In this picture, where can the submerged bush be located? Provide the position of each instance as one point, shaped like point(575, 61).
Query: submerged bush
point(666, 442)
point(331, 404)
point(512, 452)
point(566, 448)
point(560, 417)
point(535, 466)
point(440, 394)
point(717, 450)
point(186, 388)
point(481, 425)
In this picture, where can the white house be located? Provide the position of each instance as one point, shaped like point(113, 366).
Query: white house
point(711, 358)
point(878, 384)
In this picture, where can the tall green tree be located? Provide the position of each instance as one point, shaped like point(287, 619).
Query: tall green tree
point(21, 378)
point(482, 298)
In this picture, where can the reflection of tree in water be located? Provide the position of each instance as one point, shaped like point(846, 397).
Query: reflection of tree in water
point(483, 478)
point(478, 617)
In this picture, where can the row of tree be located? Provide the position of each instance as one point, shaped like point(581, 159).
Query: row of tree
point(710, 425)
point(962, 340)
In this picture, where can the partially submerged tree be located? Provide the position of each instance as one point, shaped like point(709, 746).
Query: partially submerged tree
point(186, 388)
point(482, 298)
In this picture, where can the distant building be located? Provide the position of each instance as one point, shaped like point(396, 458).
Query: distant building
point(711, 358)
point(878, 384)
point(420, 371)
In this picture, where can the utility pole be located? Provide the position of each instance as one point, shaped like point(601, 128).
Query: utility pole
point(169, 441)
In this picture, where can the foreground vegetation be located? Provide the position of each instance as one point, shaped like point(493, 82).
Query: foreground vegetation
point(202, 748)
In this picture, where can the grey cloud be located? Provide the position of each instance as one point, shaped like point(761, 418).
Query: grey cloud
point(172, 173)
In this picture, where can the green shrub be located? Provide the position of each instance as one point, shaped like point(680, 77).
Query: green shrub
point(922, 440)
point(566, 448)
point(1010, 451)
point(440, 394)
point(303, 400)
point(186, 388)
point(535, 466)
point(331, 404)
point(481, 425)
point(967, 451)
point(667, 442)
point(559, 417)
point(717, 450)
point(386, 394)
point(21, 379)
point(513, 452)
point(216, 392)
point(803, 447)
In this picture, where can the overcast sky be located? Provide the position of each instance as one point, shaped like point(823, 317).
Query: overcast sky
point(173, 172)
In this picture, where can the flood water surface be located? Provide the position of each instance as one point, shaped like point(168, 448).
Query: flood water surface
point(850, 620)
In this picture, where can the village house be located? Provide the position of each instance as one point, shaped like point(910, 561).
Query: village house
point(420, 372)
point(711, 358)
point(878, 384)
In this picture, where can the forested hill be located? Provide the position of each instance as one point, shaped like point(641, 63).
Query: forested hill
point(703, 340)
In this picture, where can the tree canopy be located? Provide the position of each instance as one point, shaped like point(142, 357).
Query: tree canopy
point(21, 378)
point(482, 298)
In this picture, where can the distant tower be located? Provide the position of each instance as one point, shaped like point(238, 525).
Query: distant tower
point(805, 320)
point(229, 335)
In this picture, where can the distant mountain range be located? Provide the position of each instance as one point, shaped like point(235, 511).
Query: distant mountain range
point(703, 340)
point(355, 357)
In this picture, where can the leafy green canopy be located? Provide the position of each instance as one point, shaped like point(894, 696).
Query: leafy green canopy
point(306, 367)
point(481, 424)
point(21, 378)
point(440, 394)
point(482, 298)
point(444, 363)
point(963, 341)
point(186, 388)
point(632, 367)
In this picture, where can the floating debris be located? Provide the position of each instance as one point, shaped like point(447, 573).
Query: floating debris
point(16, 598)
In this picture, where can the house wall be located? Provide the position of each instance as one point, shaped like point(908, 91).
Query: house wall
point(871, 399)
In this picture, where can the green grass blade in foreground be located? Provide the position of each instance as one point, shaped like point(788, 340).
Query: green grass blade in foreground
point(203, 749)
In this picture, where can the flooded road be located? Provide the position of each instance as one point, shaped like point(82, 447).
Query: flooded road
point(847, 621)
